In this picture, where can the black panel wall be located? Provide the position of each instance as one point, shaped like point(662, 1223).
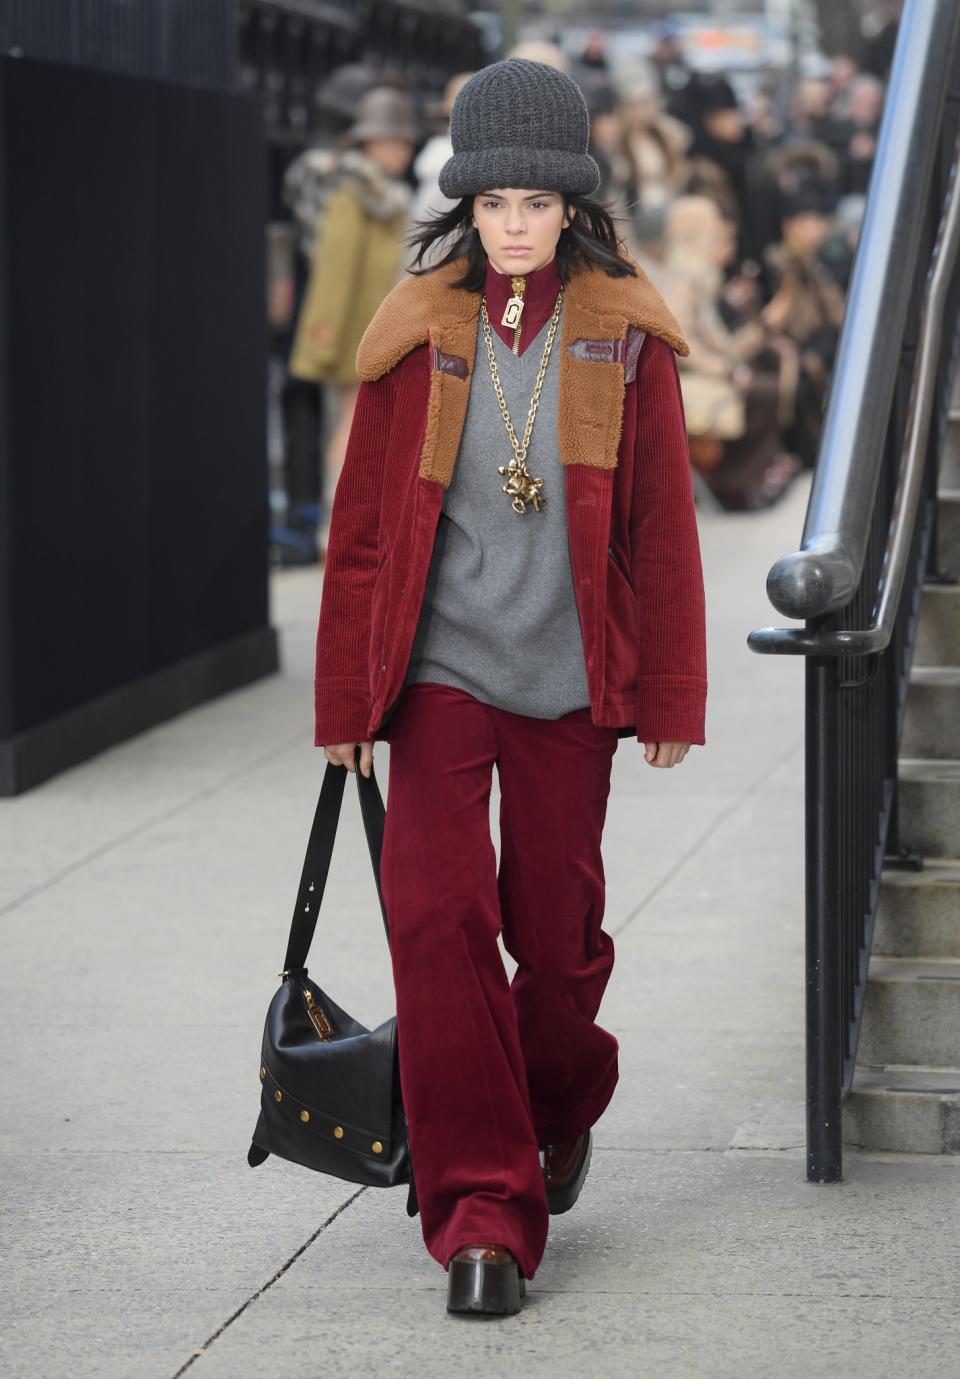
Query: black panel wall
point(132, 485)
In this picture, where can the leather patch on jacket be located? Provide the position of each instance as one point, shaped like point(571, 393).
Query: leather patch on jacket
point(597, 351)
point(635, 339)
point(449, 363)
point(625, 352)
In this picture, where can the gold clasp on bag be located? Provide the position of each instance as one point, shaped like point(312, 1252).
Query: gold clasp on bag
point(317, 1018)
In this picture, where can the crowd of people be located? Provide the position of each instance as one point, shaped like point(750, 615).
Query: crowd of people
point(744, 211)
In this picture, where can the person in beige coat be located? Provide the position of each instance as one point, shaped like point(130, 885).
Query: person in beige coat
point(358, 254)
point(736, 394)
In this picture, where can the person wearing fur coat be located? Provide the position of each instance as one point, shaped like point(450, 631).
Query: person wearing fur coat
point(513, 581)
point(357, 255)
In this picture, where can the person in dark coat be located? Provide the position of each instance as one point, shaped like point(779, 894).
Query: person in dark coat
point(722, 139)
point(513, 579)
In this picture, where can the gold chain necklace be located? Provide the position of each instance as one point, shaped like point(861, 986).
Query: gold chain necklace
point(522, 487)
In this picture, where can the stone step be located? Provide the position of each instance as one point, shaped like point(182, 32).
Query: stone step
point(950, 463)
point(932, 724)
point(948, 530)
point(938, 634)
point(911, 1012)
point(929, 805)
point(905, 1110)
point(918, 912)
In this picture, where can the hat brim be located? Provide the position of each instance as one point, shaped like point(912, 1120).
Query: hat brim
point(467, 174)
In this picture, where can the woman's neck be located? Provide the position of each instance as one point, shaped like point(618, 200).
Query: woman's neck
point(537, 290)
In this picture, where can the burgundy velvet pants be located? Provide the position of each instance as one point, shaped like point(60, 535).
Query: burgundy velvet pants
point(491, 1070)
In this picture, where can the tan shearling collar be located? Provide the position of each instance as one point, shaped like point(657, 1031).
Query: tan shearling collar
point(604, 321)
point(425, 308)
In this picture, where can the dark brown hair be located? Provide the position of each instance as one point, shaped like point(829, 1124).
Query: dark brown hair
point(589, 241)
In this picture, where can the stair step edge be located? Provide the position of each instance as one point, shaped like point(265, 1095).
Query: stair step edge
point(929, 768)
point(887, 969)
point(936, 871)
point(935, 677)
point(906, 1078)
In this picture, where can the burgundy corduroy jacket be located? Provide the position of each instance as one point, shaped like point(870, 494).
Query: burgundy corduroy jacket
point(631, 520)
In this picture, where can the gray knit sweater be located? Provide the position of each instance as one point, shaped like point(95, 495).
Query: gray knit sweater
point(499, 617)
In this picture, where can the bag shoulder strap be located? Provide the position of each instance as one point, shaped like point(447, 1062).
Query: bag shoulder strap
point(316, 863)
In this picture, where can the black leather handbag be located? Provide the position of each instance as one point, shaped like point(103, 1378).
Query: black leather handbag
point(330, 1088)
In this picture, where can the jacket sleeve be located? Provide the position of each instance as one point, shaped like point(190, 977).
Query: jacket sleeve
point(343, 702)
point(666, 562)
point(321, 328)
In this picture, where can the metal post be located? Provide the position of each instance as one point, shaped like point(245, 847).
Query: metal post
point(823, 971)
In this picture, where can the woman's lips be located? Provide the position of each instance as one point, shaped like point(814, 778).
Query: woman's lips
point(517, 249)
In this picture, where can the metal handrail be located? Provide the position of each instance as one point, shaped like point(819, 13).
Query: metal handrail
point(866, 549)
point(865, 641)
point(825, 573)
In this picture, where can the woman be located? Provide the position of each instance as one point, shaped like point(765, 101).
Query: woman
point(357, 255)
point(492, 598)
point(738, 394)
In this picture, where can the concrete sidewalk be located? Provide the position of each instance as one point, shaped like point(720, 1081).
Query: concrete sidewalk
point(145, 899)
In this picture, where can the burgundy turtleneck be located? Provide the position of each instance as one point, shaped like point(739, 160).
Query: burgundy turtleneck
point(539, 297)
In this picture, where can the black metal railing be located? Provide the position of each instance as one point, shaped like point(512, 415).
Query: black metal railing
point(869, 544)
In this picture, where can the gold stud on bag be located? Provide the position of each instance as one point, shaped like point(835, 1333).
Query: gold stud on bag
point(521, 486)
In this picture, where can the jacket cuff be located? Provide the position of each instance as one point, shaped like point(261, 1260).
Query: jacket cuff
point(671, 708)
point(342, 708)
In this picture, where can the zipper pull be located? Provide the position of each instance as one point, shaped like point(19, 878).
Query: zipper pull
point(514, 310)
point(317, 1018)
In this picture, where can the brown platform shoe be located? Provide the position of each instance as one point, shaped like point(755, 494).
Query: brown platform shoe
point(564, 1169)
point(484, 1278)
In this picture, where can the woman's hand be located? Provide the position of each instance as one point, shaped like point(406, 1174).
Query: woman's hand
point(665, 753)
point(342, 754)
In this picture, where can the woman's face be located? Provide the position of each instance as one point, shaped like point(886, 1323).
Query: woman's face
point(519, 228)
point(393, 155)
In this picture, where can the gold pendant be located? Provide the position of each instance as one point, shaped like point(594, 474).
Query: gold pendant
point(522, 486)
point(512, 312)
point(514, 308)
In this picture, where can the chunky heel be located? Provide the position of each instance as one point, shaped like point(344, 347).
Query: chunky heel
point(565, 1169)
point(484, 1279)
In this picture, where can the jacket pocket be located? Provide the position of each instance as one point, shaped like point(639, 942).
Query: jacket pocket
point(622, 628)
point(622, 567)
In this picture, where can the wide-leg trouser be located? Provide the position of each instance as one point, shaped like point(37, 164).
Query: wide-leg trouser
point(492, 1071)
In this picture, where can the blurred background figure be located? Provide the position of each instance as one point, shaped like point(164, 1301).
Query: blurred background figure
point(356, 258)
point(541, 50)
point(864, 109)
point(731, 384)
point(724, 160)
point(308, 183)
point(649, 166)
point(428, 198)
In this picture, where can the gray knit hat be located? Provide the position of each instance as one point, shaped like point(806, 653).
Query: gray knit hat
point(519, 123)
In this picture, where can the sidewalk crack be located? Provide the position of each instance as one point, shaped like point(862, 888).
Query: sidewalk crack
point(202, 1350)
point(171, 812)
